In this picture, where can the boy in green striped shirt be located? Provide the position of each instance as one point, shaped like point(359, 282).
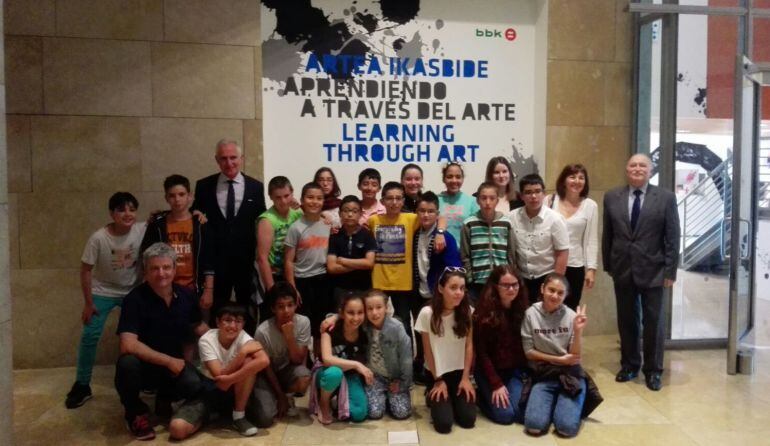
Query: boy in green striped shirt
point(487, 240)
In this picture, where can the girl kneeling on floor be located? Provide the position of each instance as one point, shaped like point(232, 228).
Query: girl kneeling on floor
point(447, 334)
point(500, 361)
point(343, 371)
point(551, 336)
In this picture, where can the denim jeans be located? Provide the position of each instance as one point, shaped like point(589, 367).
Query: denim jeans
point(501, 415)
point(92, 332)
point(548, 403)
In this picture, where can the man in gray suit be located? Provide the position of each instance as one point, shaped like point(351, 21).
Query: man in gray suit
point(640, 248)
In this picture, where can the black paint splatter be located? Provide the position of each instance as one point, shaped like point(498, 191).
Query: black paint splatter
point(398, 44)
point(700, 98)
point(368, 21)
point(399, 11)
point(299, 22)
point(680, 77)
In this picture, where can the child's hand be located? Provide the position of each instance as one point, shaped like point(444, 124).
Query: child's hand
point(175, 366)
point(223, 382)
point(501, 398)
point(207, 299)
point(466, 386)
point(367, 374)
point(569, 359)
point(282, 406)
point(580, 319)
point(88, 312)
point(201, 216)
point(439, 391)
point(288, 329)
point(394, 386)
point(439, 243)
point(327, 325)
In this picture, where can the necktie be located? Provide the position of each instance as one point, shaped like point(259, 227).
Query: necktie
point(636, 208)
point(230, 206)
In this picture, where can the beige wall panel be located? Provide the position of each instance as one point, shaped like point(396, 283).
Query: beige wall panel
point(258, 81)
point(252, 149)
point(575, 93)
point(564, 148)
point(5, 268)
point(54, 227)
point(111, 19)
point(24, 74)
point(13, 230)
point(183, 146)
point(624, 32)
point(19, 153)
point(40, 303)
point(32, 17)
point(97, 77)
point(234, 22)
point(83, 154)
point(152, 201)
point(206, 81)
point(617, 94)
point(581, 29)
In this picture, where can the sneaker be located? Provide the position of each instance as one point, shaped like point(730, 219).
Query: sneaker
point(141, 428)
point(78, 395)
point(292, 411)
point(244, 427)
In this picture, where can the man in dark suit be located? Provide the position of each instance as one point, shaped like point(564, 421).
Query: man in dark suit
point(640, 248)
point(232, 203)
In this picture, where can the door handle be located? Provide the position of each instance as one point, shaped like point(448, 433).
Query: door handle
point(722, 251)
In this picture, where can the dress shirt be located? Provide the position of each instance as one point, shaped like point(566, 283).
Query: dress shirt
point(239, 187)
point(631, 198)
point(536, 240)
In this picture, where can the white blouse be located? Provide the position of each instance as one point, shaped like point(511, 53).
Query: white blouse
point(583, 228)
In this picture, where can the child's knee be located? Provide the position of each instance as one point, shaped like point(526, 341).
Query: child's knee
point(179, 429)
point(566, 428)
point(330, 378)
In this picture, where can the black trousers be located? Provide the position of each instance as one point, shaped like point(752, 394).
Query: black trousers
point(406, 306)
point(576, 277)
point(133, 375)
point(533, 288)
point(235, 275)
point(456, 408)
point(317, 300)
point(640, 312)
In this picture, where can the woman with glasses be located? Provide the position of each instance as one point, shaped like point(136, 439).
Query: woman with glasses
point(500, 360)
point(447, 336)
point(581, 214)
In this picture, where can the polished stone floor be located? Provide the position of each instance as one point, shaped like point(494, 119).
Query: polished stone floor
point(699, 405)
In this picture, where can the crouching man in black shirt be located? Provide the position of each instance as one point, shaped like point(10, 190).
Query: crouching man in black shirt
point(157, 320)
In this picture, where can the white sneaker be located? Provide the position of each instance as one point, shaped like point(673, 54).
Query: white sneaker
point(292, 411)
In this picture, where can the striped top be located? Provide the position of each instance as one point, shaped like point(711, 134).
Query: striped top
point(485, 245)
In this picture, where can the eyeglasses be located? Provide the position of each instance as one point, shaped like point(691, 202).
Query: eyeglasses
point(452, 269)
point(509, 286)
point(532, 192)
point(427, 211)
point(232, 321)
point(393, 199)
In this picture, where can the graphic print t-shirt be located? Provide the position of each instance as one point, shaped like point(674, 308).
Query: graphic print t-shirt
point(393, 259)
point(114, 258)
point(180, 237)
point(311, 240)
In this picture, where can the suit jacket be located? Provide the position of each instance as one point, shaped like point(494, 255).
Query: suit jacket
point(237, 238)
point(650, 253)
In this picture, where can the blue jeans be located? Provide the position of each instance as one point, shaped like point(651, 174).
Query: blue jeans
point(501, 415)
point(548, 403)
point(92, 332)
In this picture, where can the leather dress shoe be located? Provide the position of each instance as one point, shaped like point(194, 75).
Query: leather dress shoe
point(626, 375)
point(653, 381)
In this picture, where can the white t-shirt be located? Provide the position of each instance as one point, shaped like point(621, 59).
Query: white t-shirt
point(115, 260)
point(448, 350)
point(210, 349)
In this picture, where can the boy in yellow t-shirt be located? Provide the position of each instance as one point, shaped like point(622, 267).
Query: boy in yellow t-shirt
point(393, 270)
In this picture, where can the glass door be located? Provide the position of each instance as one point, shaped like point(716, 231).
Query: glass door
point(743, 234)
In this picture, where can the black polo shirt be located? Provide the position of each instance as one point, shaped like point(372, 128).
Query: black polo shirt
point(164, 329)
point(353, 247)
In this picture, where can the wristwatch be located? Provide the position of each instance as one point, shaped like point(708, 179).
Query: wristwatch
point(440, 231)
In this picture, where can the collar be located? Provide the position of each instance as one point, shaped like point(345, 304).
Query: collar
point(223, 179)
point(644, 188)
point(429, 231)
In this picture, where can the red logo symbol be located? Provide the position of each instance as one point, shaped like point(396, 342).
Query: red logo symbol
point(510, 34)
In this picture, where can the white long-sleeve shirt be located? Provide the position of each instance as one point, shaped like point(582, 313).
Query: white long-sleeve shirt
point(583, 228)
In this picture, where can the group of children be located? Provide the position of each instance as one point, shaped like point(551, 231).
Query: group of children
point(331, 268)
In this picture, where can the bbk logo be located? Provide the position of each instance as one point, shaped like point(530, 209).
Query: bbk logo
point(509, 34)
